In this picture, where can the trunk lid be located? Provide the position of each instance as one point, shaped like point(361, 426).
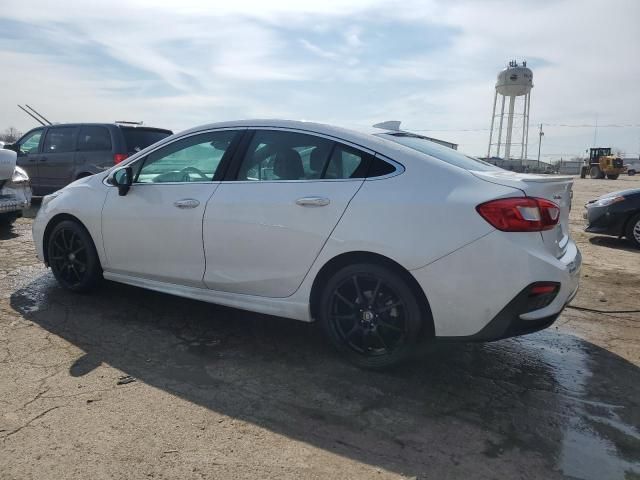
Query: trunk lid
point(555, 188)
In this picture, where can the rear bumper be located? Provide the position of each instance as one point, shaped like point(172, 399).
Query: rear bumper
point(475, 293)
point(14, 198)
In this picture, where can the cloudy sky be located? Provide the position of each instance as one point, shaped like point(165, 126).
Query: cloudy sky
point(430, 63)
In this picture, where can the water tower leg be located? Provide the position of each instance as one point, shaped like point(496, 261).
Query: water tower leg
point(500, 127)
point(507, 147)
point(493, 117)
point(526, 122)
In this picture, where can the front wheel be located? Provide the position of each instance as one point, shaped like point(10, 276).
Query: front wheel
point(631, 173)
point(633, 230)
point(371, 315)
point(73, 257)
point(613, 176)
point(595, 172)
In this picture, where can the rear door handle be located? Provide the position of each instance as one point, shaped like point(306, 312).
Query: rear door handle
point(186, 203)
point(313, 201)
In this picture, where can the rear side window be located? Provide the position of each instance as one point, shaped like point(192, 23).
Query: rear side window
point(278, 155)
point(94, 139)
point(347, 162)
point(59, 140)
point(137, 139)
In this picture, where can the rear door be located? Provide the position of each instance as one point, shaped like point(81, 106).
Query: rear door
point(95, 148)
point(263, 230)
point(56, 164)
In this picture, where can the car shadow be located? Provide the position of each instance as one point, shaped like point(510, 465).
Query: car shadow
point(613, 242)
point(7, 232)
point(546, 394)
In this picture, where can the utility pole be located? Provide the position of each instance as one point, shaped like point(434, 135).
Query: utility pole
point(541, 134)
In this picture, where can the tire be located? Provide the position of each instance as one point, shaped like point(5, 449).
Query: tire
point(583, 172)
point(631, 172)
point(7, 219)
point(595, 172)
point(371, 315)
point(613, 176)
point(73, 258)
point(632, 232)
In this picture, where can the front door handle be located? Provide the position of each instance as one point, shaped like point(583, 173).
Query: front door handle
point(186, 203)
point(313, 202)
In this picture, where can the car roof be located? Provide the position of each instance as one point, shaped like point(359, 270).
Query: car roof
point(105, 124)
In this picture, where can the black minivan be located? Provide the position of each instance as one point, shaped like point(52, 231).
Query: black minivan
point(56, 155)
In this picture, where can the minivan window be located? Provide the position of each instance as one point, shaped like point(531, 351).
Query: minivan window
point(30, 143)
point(445, 154)
point(139, 138)
point(94, 139)
point(59, 140)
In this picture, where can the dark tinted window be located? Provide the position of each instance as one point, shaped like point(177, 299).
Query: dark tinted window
point(140, 138)
point(94, 139)
point(192, 159)
point(438, 151)
point(59, 140)
point(278, 155)
point(347, 162)
point(379, 168)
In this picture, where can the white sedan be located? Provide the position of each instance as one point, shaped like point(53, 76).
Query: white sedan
point(384, 237)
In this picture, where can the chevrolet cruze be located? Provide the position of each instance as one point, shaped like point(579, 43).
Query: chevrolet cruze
point(384, 237)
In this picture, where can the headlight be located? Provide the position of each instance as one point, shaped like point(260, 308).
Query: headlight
point(19, 176)
point(603, 202)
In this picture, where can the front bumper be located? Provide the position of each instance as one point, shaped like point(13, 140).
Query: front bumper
point(606, 220)
point(14, 198)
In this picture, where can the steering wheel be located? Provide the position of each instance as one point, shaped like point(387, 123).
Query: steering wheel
point(187, 178)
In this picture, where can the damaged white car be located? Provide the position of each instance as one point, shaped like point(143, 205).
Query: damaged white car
point(15, 188)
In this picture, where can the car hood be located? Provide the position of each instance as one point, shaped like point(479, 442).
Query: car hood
point(630, 192)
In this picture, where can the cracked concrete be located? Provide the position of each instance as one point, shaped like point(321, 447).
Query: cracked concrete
point(221, 393)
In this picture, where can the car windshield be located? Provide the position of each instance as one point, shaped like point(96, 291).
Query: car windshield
point(440, 152)
point(140, 138)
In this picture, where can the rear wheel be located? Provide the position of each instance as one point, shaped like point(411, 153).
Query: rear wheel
point(613, 176)
point(73, 257)
point(633, 230)
point(371, 315)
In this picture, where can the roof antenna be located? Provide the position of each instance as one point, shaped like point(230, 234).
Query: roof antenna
point(32, 115)
point(38, 114)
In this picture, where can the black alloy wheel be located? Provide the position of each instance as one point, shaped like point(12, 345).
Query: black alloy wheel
point(72, 257)
point(370, 314)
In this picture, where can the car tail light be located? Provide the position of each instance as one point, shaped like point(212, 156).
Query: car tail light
point(541, 294)
point(118, 157)
point(522, 214)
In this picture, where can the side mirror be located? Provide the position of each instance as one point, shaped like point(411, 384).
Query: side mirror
point(12, 146)
point(123, 179)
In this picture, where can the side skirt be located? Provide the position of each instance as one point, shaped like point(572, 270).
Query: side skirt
point(282, 307)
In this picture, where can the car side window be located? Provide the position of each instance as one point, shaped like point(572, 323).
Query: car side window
point(30, 143)
point(347, 162)
point(94, 139)
point(59, 140)
point(192, 159)
point(279, 155)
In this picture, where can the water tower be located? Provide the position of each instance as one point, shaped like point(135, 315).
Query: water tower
point(513, 82)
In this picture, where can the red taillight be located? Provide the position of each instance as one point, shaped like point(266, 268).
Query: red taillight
point(543, 288)
point(118, 157)
point(541, 294)
point(522, 214)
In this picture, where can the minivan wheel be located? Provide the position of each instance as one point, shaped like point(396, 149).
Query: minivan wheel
point(633, 230)
point(371, 315)
point(73, 257)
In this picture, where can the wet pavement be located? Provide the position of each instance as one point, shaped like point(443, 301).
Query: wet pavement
point(241, 395)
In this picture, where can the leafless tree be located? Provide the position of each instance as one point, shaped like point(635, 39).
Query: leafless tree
point(10, 135)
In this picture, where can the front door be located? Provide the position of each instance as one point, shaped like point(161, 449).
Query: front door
point(155, 231)
point(56, 163)
point(265, 227)
point(28, 155)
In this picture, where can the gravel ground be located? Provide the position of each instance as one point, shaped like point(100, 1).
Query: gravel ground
point(126, 383)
